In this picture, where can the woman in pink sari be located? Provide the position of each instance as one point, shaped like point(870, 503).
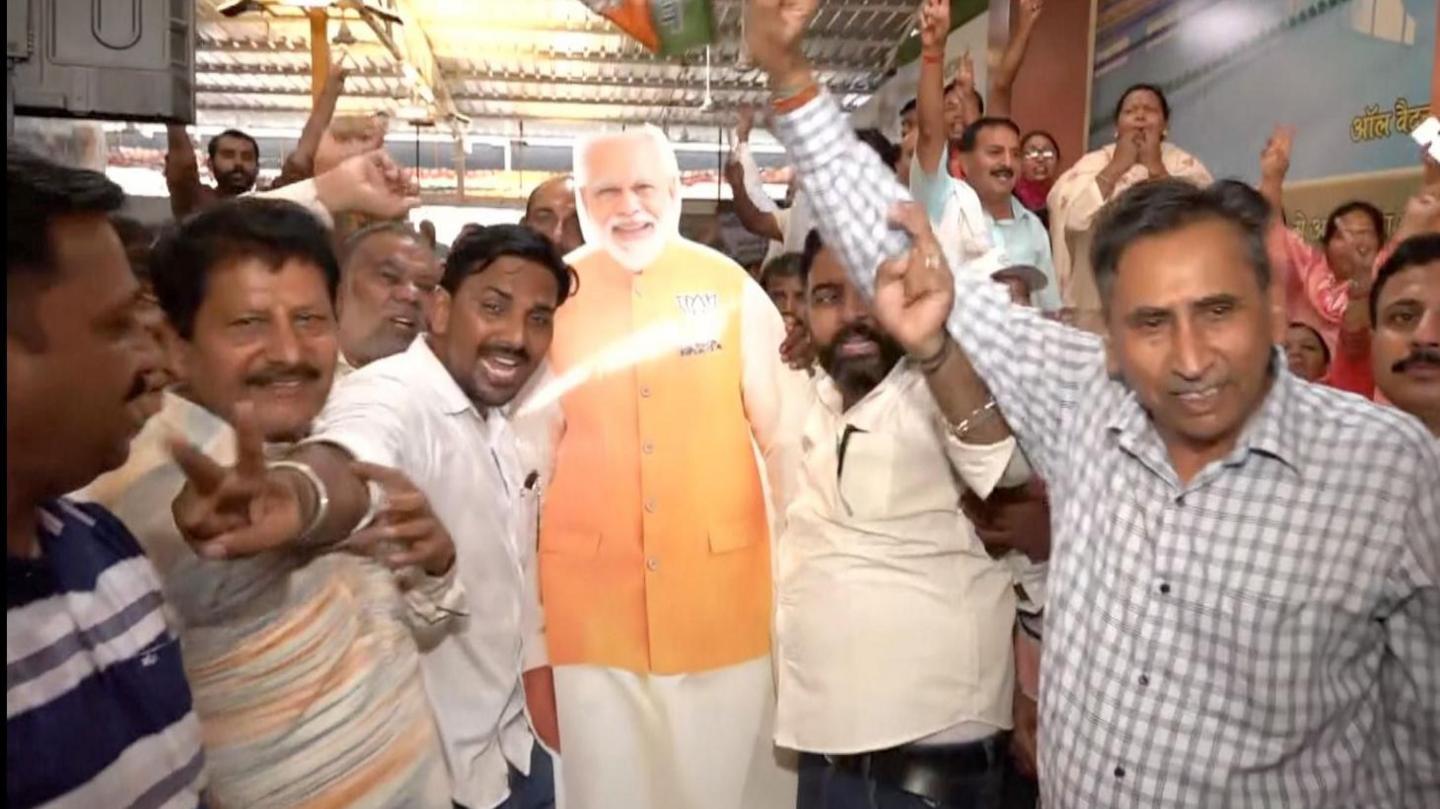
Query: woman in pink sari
point(1139, 153)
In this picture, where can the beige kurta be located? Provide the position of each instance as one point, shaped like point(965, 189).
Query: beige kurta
point(1074, 201)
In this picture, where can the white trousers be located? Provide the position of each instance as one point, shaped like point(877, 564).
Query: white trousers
point(684, 741)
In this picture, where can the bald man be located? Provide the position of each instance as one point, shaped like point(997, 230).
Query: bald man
point(655, 531)
point(550, 211)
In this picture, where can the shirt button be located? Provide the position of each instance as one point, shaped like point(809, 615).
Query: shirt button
point(650, 505)
point(1119, 772)
point(648, 448)
point(1144, 679)
point(645, 391)
point(652, 564)
point(1164, 588)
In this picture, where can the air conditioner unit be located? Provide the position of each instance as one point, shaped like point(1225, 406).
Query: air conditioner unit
point(130, 60)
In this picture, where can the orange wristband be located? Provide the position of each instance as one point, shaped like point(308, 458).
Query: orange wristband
point(790, 103)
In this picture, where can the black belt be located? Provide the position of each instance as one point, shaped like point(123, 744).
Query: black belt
point(941, 773)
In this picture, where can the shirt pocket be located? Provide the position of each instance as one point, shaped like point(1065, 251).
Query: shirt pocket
point(1262, 659)
point(884, 476)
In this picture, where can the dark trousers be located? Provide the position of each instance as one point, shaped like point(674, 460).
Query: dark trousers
point(533, 791)
point(823, 786)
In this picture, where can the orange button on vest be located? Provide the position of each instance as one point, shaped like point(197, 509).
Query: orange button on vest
point(654, 545)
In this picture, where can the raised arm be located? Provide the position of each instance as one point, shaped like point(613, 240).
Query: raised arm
point(1274, 165)
point(300, 163)
point(930, 95)
point(1036, 368)
point(182, 172)
point(1002, 83)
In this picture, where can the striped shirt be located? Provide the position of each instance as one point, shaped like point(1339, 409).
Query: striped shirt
point(304, 667)
point(1266, 634)
point(97, 711)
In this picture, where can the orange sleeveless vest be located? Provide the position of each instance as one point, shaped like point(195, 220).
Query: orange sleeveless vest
point(654, 544)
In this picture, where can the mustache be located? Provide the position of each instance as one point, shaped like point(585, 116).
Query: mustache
point(1421, 356)
point(1007, 173)
point(514, 352)
point(144, 382)
point(285, 373)
point(860, 330)
point(1181, 387)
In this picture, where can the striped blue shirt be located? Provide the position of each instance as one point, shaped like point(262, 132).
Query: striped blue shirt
point(97, 710)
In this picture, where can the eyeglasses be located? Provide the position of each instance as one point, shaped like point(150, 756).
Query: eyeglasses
point(1040, 154)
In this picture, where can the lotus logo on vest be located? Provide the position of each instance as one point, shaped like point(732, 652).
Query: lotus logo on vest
point(702, 322)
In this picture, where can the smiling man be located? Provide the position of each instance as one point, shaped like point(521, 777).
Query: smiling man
point(878, 564)
point(388, 284)
point(1405, 348)
point(654, 539)
point(436, 413)
point(1244, 591)
point(98, 712)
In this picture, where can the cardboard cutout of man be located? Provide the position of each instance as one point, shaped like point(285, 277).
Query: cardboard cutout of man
point(666, 391)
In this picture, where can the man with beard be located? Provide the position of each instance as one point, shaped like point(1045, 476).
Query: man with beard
point(234, 163)
point(878, 564)
point(98, 712)
point(654, 539)
point(550, 211)
point(1405, 348)
point(388, 282)
point(247, 287)
point(436, 412)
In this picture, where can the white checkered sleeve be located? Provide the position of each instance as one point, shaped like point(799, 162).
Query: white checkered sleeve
point(851, 190)
point(1035, 368)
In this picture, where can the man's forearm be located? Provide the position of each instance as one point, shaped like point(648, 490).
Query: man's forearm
point(348, 496)
point(1271, 188)
point(1003, 83)
point(964, 399)
point(930, 112)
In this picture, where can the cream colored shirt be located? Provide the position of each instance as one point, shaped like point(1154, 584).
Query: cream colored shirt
point(893, 623)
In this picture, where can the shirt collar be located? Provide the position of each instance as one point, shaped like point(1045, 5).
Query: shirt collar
point(1018, 212)
point(452, 399)
point(1267, 430)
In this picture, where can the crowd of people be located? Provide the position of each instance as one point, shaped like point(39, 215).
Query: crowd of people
point(999, 485)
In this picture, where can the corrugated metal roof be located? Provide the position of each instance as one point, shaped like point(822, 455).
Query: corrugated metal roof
point(552, 63)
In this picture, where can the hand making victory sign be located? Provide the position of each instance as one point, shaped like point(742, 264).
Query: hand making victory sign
point(316, 497)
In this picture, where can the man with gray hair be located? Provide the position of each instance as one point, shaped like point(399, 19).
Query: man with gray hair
point(655, 531)
point(387, 288)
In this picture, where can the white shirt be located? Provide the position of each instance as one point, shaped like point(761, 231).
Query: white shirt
point(405, 411)
point(892, 621)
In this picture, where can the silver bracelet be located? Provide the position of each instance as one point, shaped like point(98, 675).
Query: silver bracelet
point(961, 429)
point(322, 496)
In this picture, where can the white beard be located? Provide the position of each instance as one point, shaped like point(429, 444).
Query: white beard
point(635, 256)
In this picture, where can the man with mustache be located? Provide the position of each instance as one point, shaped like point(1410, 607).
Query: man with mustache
point(990, 152)
point(654, 537)
point(1244, 591)
point(92, 718)
point(234, 162)
point(388, 283)
point(438, 414)
point(296, 653)
point(550, 211)
point(1405, 347)
point(878, 563)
